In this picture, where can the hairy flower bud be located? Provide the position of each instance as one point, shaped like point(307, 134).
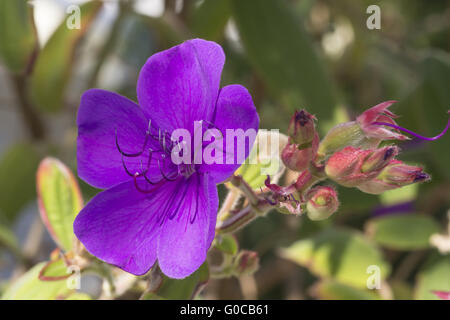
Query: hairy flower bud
point(379, 113)
point(362, 133)
point(322, 202)
point(395, 175)
point(246, 262)
point(297, 159)
point(351, 166)
point(301, 128)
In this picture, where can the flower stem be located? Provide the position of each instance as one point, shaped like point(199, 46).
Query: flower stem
point(240, 183)
point(243, 217)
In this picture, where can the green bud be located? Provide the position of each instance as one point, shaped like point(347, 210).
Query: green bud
point(343, 135)
point(322, 203)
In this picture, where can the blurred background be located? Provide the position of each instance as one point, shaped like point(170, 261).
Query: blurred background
point(290, 54)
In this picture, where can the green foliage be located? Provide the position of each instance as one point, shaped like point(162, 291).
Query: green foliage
point(332, 290)
point(227, 243)
point(435, 275)
point(183, 289)
point(54, 270)
point(54, 64)
point(403, 232)
point(59, 200)
point(282, 52)
point(29, 287)
point(210, 18)
point(18, 39)
point(17, 179)
point(340, 254)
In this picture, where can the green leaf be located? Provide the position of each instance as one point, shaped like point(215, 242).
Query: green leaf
point(59, 200)
point(17, 179)
point(435, 276)
point(403, 232)
point(340, 254)
point(226, 243)
point(210, 18)
point(332, 290)
point(54, 270)
point(262, 162)
point(18, 39)
point(283, 54)
point(54, 64)
point(29, 287)
point(183, 289)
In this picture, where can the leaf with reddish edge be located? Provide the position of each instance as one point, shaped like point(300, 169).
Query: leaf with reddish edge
point(30, 287)
point(444, 295)
point(55, 270)
point(59, 200)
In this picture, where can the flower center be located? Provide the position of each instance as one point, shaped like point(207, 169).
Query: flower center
point(158, 156)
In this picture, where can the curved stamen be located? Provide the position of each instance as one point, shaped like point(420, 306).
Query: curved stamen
point(149, 181)
point(137, 186)
point(164, 175)
point(413, 133)
point(136, 154)
point(126, 169)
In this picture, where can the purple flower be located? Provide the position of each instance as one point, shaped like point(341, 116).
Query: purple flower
point(154, 209)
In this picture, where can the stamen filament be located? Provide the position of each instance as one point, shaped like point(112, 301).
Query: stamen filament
point(413, 133)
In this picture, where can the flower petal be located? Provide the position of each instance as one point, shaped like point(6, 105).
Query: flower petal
point(235, 110)
point(370, 115)
point(180, 85)
point(101, 113)
point(121, 225)
point(187, 236)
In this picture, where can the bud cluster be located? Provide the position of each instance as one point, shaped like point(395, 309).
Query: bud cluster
point(303, 142)
point(349, 154)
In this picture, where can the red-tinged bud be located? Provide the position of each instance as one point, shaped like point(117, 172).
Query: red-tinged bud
point(343, 135)
point(379, 159)
point(363, 133)
point(322, 202)
point(297, 159)
point(395, 175)
point(246, 263)
point(301, 128)
point(379, 113)
point(351, 166)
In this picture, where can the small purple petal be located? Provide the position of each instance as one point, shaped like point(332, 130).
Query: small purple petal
point(235, 110)
point(400, 208)
point(186, 238)
point(180, 85)
point(100, 115)
point(120, 225)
